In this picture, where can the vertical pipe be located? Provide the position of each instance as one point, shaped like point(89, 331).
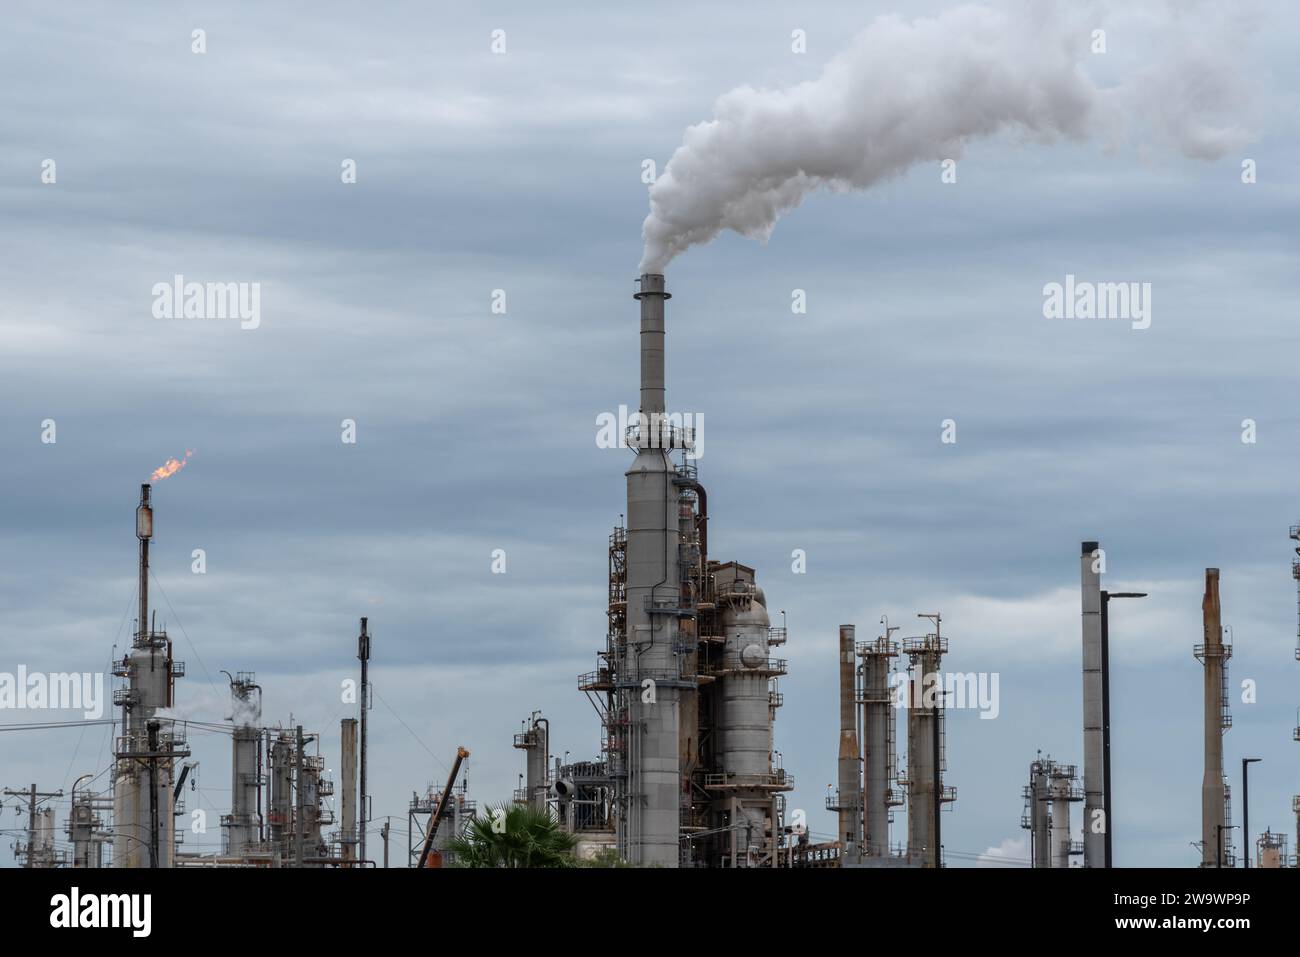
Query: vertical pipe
point(144, 532)
point(1105, 729)
point(1094, 840)
point(1245, 810)
point(363, 652)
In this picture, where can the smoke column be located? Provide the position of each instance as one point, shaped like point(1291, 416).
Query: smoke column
point(910, 92)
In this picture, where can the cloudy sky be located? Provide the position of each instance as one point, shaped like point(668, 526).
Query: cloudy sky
point(522, 171)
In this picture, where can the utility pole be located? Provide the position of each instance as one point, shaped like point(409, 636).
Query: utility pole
point(33, 797)
point(1245, 807)
point(384, 832)
point(363, 653)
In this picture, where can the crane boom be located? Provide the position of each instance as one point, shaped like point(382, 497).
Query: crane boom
point(436, 817)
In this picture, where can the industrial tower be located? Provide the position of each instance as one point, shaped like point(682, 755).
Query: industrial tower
point(1214, 653)
point(926, 793)
point(685, 685)
point(146, 751)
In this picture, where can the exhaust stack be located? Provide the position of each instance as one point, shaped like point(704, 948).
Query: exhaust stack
point(1094, 772)
point(655, 606)
point(652, 297)
point(348, 767)
point(850, 761)
point(1214, 654)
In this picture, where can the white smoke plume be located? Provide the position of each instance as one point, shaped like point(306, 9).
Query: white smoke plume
point(908, 92)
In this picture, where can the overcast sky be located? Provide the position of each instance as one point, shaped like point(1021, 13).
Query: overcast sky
point(476, 431)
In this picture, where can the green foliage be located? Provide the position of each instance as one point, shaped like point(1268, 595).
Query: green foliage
point(605, 857)
point(529, 838)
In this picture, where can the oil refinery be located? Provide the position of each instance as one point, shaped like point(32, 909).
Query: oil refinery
point(687, 693)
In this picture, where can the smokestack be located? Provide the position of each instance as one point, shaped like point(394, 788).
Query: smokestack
point(654, 603)
point(1213, 654)
point(652, 297)
point(850, 763)
point(1094, 773)
point(348, 766)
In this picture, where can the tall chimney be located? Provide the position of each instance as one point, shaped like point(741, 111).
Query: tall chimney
point(654, 795)
point(348, 769)
point(1094, 772)
point(1213, 654)
point(652, 296)
point(850, 763)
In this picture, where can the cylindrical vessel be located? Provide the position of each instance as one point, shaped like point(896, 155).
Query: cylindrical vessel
point(850, 757)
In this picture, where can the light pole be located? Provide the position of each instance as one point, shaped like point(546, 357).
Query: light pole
point(1106, 596)
point(1245, 806)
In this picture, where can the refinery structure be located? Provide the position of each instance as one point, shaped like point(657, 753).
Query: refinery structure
point(686, 689)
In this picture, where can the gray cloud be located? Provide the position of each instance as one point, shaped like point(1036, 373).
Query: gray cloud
point(476, 431)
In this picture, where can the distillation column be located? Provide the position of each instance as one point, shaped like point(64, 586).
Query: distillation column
point(926, 793)
point(1213, 654)
point(850, 760)
point(1094, 784)
point(242, 825)
point(534, 741)
point(1063, 792)
point(745, 728)
point(653, 603)
point(280, 752)
point(1037, 820)
point(878, 718)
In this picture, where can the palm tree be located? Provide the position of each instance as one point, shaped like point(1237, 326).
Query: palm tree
point(514, 836)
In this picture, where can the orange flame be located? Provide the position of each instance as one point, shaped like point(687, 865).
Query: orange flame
point(170, 467)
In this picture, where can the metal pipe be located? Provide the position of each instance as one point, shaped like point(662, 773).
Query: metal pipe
point(144, 532)
point(363, 653)
point(1105, 724)
point(1245, 807)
